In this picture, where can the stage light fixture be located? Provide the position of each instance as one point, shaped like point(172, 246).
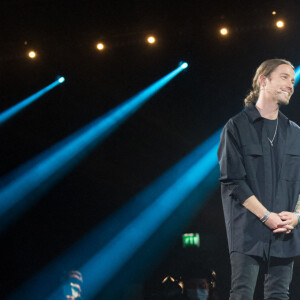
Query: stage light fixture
point(224, 31)
point(280, 24)
point(32, 54)
point(10, 112)
point(184, 65)
point(151, 39)
point(100, 46)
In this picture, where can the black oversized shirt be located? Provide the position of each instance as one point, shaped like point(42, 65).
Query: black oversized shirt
point(246, 164)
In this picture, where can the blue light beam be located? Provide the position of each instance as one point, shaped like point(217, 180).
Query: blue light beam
point(37, 175)
point(104, 265)
point(10, 112)
point(152, 207)
point(297, 74)
point(169, 191)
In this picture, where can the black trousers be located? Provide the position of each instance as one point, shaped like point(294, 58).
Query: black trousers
point(244, 273)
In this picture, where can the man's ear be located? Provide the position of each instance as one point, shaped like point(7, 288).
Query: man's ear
point(262, 80)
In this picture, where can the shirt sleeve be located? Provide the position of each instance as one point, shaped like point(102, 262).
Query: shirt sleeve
point(232, 169)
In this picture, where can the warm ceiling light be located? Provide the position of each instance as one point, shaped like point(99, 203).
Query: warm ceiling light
point(31, 54)
point(224, 31)
point(274, 12)
point(100, 46)
point(280, 24)
point(151, 40)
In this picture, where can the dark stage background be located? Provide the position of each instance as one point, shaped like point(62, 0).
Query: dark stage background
point(169, 126)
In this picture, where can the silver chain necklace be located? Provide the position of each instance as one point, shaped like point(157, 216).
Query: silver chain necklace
point(271, 141)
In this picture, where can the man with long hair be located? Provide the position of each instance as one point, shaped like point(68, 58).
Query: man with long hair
point(259, 157)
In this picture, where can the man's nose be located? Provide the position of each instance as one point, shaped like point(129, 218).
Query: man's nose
point(291, 86)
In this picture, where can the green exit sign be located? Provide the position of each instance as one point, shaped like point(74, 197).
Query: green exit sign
point(191, 240)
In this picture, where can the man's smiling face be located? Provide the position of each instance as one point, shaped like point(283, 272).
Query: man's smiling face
point(280, 84)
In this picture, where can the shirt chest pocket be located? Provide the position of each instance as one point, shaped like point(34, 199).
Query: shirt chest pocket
point(253, 156)
point(291, 167)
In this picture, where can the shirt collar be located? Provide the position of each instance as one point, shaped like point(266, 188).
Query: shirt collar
point(253, 114)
